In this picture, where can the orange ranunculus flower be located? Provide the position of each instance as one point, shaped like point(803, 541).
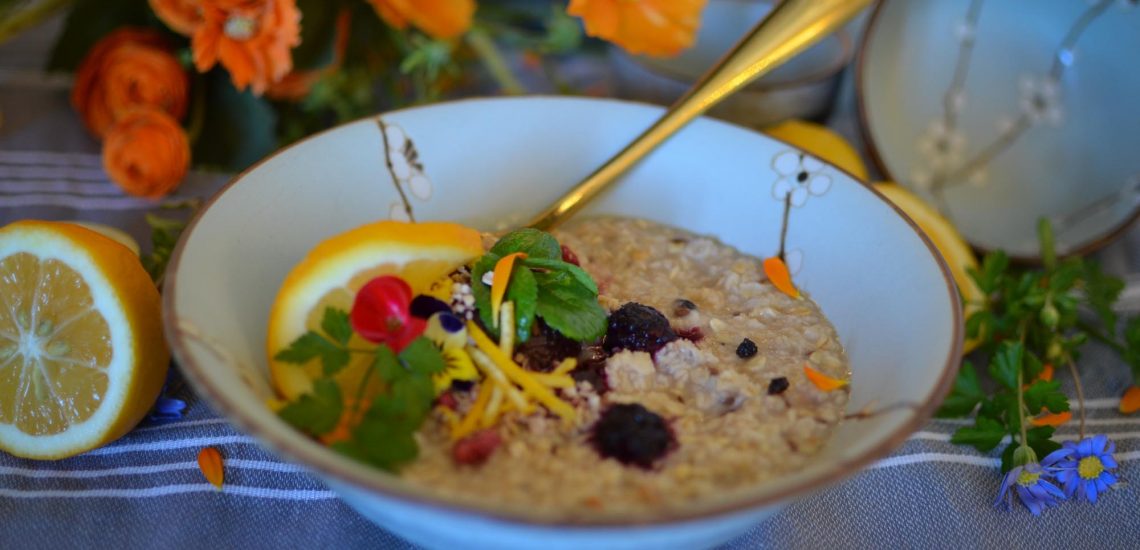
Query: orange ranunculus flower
point(651, 27)
point(128, 68)
point(251, 39)
point(297, 84)
point(146, 153)
point(439, 18)
point(182, 16)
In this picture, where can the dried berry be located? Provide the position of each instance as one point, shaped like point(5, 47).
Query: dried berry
point(683, 307)
point(694, 334)
point(633, 435)
point(746, 349)
point(569, 256)
point(777, 386)
point(546, 349)
point(476, 448)
point(637, 327)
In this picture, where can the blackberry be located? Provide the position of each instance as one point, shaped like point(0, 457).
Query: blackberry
point(637, 327)
point(777, 386)
point(746, 349)
point(632, 435)
point(546, 348)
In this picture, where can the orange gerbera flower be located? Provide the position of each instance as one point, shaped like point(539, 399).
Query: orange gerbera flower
point(182, 16)
point(146, 153)
point(128, 68)
point(251, 39)
point(653, 27)
point(439, 18)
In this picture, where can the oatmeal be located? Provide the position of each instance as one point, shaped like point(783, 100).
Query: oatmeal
point(697, 388)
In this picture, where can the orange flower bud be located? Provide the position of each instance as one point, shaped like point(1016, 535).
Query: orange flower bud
point(439, 18)
point(146, 153)
point(182, 16)
point(652, 27)
point(127, 69)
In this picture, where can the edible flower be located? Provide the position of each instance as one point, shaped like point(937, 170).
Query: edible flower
point(446, 330)
point(381, 313)
point(823, 381)
point(653, 27)
point(781, 278)
point(1085, 468)
point(1130, 402)
point(1031, 482)
point(459, 367)
point(210, 463)
point(1054, 419)
point(500, 278)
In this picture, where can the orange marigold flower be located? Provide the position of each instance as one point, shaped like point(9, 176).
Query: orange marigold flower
point(439, 18)
point(128, 68)
point(182, 16)
point(653, 27)
point(251, 39)
point(146, 153)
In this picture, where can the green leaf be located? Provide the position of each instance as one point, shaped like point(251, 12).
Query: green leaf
point(388, 365)
point(336, 325)
point(574, 313)
point(318, 34)
point(536, 244)
point(422, 357)
point(379, 443)
point(965, 395)
point(318, 412)
point(485, 263)
point(984, 435)
point(1101, 291)
point(1041, 440)
point(563, 33)
point(91, 20)
point(523, 291)
point(1046, 395)
point(311, 346)
point(238, 129)
point(578, 273)
point(1006, 363)
point(990, 275)
point(1132, 347)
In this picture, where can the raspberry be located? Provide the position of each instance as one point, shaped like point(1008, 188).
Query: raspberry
point(637, 327)
point(632, 435)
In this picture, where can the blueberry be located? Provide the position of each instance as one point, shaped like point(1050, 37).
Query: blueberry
point(632, 435)
point(637, 327)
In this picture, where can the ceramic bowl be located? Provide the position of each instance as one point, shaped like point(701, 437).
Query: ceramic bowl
point(804, 87)
point(1040, 121)
point(495, 162)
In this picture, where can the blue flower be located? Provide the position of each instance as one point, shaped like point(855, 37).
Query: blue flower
point(1032, 484)
point(1085, 468)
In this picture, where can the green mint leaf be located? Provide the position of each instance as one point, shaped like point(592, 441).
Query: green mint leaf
point(486, 263)
point(388, 365)
point(573, 311)
point(984, 435)
point(523, 291)
point(318, 412)
point(578, 273)
point(535, 243)
point(965, 395)
point(1006, 363)
point(336, 325)
point(422, 357)
point(1046, 395)
point(311, 346)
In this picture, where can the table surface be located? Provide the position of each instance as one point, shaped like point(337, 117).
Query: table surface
point(146, 490)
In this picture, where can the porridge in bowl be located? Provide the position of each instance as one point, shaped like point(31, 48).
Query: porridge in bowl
point(618, 366)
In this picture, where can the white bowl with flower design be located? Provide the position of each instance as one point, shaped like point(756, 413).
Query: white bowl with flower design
point(1004, 112)
point(493, 164)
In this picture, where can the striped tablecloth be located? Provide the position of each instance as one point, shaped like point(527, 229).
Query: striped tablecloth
point(145, 490)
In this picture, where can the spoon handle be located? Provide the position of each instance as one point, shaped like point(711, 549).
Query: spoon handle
point(791, 27)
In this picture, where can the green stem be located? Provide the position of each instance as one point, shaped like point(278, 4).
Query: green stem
point(1096, 334)
point(1021, 406)
point(1080, 393)
point(493, 60)
point(11, 25)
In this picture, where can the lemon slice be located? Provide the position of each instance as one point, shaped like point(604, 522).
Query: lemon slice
point(82, 357)
point(950, 244)
point(332, 273)
point(821, 142)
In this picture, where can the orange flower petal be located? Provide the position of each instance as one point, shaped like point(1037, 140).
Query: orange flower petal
point(1130, 402)
point(210, 462)
point(823, 381)
point(1052, 419)
point(652, 27)
point(777, 272)
point(500, 278)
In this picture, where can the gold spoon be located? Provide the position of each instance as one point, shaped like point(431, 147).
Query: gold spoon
point(791, 27)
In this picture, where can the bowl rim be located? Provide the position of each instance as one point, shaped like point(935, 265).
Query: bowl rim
point(320, 460)
point(864, 125)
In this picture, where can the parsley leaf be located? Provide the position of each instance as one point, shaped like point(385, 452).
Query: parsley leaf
point(318, 412)
point(422, 357)
point(335, 324)
point(1006, 363)
point(312, 345)
point(1046, 395)
point(984, 435)
point(965, 395)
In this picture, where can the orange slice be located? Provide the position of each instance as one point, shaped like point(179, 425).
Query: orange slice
point(332, 273)
point(82, 357)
